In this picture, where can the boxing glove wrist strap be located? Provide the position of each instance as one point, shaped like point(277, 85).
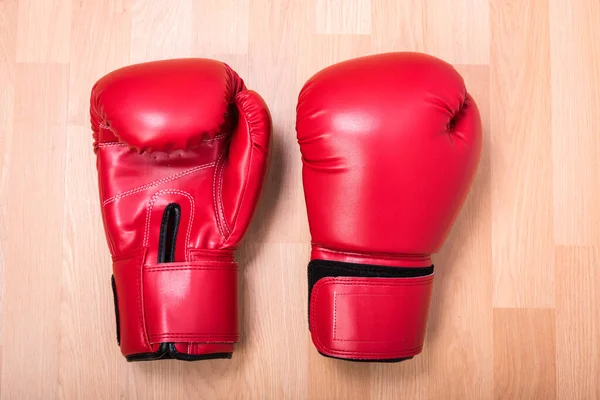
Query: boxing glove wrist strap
point(367, 312)
point(164, 309)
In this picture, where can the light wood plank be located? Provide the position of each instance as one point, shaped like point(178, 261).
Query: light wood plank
point(575, 61)
point(522, 158)
point(277, 70)
point(85, 279)
point(160, 29)
point(332, 49)
point(7, 97)
point(98, 47)
point(352, 380)
point(35, 201)
point(8, 30)
point(524, 345)
point(458, 31)
point(7, 83)
point(274, 321)
point(43, 31)
point(221, 27)
point(578, 322)
point(407, 380)
point(348, 17)
point(397, 25)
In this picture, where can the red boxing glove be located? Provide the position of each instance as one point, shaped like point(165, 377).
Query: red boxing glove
point(181, 151)
point(390, 144)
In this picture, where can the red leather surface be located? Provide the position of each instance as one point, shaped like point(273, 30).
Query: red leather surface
point(389, 260)
point(178, 311)
point(188, 132)
point(127, 271)
point(366, 318)
point(154, 85)
point(390, 144)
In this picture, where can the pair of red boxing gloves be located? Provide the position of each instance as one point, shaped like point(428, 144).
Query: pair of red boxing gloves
point(390, 144)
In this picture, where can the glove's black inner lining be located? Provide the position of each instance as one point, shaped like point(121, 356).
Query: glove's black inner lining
point(168, 233)
point(114, 289)
point(166, 254)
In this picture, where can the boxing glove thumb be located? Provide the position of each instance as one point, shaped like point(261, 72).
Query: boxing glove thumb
point(241, 174)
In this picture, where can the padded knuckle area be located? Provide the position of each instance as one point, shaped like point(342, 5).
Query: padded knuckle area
point(131, 103)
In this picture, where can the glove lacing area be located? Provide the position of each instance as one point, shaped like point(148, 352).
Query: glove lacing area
point(154, 285)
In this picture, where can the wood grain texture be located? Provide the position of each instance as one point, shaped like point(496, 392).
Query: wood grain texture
point(350, 17)
point(524, 348)
point(8, 30)
point(397, 25)
point(515, 312)
point(7, 82)
point(43, 31)
point(97, 45)
point(575, 61)
point(457, 31)
point(522, 207)
point(35, 205)
point(160, 29)
point(221, 27)
point(578, 322)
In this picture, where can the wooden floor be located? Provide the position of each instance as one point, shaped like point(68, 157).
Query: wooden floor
point(516, 305)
